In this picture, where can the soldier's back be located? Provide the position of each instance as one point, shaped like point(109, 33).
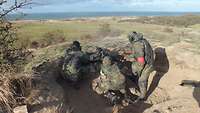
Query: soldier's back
point(115, 77)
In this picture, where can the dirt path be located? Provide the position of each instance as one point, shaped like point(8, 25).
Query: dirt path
point(84, 99)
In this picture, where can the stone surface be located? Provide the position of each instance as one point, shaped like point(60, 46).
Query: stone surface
point(21, 109)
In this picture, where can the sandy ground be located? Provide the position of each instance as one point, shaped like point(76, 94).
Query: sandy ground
point(165, 94)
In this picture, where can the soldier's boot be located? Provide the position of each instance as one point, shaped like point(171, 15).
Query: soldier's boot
point(127, 100)
point(128, 97)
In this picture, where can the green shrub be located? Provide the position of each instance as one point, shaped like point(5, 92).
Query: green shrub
point(35, 44)
point(12, 57)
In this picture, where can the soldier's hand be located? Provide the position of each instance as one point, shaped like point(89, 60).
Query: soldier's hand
point(110, 49)
point(128, 52)
point(130, 59)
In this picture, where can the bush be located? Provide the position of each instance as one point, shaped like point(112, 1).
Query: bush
point(11, 57)
point(35, 44)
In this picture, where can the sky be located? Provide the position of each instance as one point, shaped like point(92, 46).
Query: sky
point(44, 6)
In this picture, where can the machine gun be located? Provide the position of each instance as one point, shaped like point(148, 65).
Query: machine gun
point(192, 83)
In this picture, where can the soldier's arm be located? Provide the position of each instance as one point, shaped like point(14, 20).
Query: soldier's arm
point(130, 58)
point(139, 53)
point(94, 57)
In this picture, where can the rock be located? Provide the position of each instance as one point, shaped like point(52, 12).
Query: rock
point(21, 109)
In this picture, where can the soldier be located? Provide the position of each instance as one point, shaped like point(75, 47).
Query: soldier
point(142, 59)
point(110, 82)
point(76, 63)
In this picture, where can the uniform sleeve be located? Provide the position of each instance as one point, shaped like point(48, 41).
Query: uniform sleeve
point(138, 50)
point(67, 55)
point(94, 57)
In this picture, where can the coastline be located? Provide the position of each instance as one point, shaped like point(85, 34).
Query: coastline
point(68, 16)
point(82, 19)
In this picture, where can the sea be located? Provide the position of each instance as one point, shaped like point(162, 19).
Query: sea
point(70, 15)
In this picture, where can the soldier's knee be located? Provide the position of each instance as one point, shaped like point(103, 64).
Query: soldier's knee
point(145, 75)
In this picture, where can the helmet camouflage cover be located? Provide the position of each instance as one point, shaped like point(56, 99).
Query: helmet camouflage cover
point(134, 36)
point(110, 78)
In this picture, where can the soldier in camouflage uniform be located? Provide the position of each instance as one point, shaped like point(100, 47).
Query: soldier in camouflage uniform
point(76, 63)
point(142, 58)
point(109, 81)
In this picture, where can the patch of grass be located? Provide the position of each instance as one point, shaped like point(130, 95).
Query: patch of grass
point(36, 30)
point(85, 30)
point(106, 29)
point(46, 54)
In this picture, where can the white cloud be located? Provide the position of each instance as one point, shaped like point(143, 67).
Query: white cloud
point(117, 5)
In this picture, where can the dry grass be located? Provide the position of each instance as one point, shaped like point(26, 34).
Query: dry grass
point(7, 100)
point(13, 91)
point(62, 108)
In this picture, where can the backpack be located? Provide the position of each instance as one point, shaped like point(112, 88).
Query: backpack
point(72, 63)
point(149, 54)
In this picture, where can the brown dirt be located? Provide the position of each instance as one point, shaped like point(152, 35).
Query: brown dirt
point(165, 95)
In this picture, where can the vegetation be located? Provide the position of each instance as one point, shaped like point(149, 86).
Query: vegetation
point(106, 30)
point(11, 56)
point(180, 21)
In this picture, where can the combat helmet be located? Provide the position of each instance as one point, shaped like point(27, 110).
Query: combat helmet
point(75, 46)
point(107, 60)
point(134, 36)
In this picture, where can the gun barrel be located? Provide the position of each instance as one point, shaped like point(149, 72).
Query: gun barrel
point(190, 83)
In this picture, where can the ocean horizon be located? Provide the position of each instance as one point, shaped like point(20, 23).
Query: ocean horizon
point(70, 15)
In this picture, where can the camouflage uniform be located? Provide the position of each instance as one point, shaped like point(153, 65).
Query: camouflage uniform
point(76, 63)
point(110, 79)
point(141, 49)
